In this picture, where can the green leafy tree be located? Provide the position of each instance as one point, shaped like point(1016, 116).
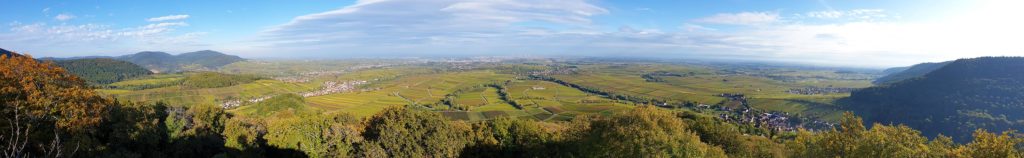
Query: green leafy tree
point(987, 144)
point(196, 131)
point(406, 132)
point(646, 132)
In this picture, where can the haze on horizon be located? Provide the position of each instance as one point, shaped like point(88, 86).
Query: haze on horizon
point(873, 33)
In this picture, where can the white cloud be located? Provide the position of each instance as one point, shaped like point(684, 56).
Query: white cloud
point(411, 22)
point(742, 18)
point(566, 27)
point(694, 27)
point(857, 14)
point(169, 17)
point(392, 27)
point(64, 17)
point(94, 39)
point(165, 24)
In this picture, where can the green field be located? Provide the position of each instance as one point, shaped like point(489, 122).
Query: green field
point(429, 85)
point(153, 81)
point(181, 96)
point(561, 100)
point(704, 86)
point(484, 99)
point(407, 90)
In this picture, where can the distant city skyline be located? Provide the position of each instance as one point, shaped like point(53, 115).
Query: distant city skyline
point(872, 33)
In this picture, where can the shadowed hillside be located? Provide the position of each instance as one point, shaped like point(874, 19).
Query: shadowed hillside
point(903, 73)
point(954, 100)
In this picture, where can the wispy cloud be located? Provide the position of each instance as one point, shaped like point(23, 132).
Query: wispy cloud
point(169, 17)
point(64, 16)
point(856, 14)
point(742, 18)
point(96, 38)
point(404, 22)
point(396, 27)
point(694, 27)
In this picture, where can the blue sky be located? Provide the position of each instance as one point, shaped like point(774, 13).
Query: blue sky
point(861, 33)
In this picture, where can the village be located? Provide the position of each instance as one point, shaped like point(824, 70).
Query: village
point(331, 87)
point(820, 90)
point(328, 87)
point(776, 121)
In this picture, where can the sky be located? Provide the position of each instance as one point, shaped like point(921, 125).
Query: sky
point(854, 33)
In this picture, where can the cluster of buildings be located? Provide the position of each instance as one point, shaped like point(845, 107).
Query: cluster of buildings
point(555, 71)
point(331, 87)
point(820, 90)
point(235, 103)
point(769, 120)
point(776, 121)
point(231, 104)
point(474, 60)
point(292, 79)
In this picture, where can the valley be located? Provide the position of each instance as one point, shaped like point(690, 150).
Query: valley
point(536, 89)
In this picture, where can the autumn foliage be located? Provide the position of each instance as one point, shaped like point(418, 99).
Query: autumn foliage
point(44, 107)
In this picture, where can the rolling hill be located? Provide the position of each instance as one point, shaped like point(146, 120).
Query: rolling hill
point(102, 70)
point(897, 74)
point(953, 100)
point(154, 61)
point(161, 62)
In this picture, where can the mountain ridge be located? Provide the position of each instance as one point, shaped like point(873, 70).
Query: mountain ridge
point(893, 75)
point(953, 100)
point(163, 62)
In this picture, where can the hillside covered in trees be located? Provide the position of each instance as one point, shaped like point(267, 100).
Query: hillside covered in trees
point(162, 62)
point(894, 75)
point(51, 113)
point(101, 70)
point(954, 100)
point(215, 80)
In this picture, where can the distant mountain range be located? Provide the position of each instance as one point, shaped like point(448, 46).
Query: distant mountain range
point(954, 99)
point(162, 62)
point(893, 75)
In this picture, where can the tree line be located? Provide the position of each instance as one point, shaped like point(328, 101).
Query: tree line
point(216, 80)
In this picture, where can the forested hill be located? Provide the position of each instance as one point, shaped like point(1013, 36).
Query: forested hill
point(162, 62)
point(102, 70)
point(954, 100)
point(894, 75)
point(208, 58)
point(154, 61)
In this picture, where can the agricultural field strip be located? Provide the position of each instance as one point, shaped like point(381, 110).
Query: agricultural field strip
point(420, 86)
